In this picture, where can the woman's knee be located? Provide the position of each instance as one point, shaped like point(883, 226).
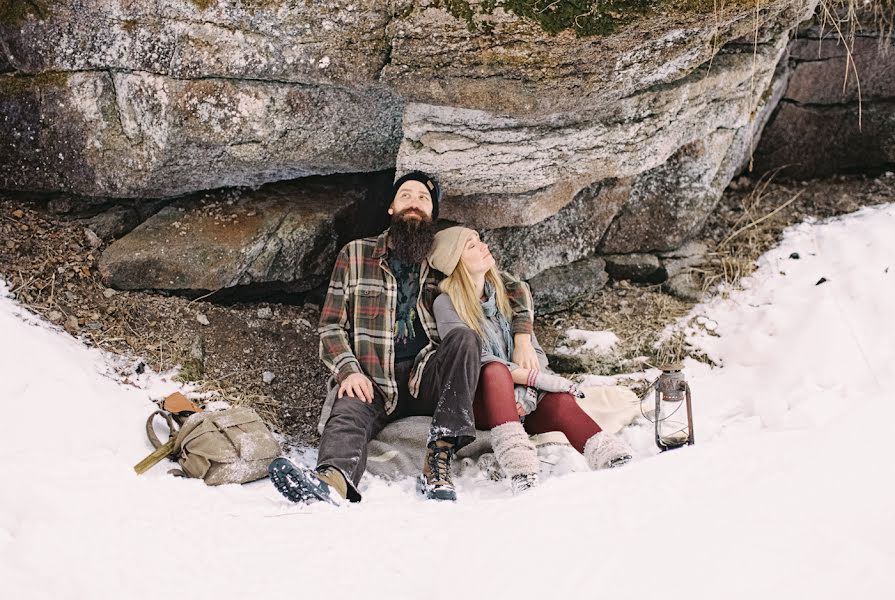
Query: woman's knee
point(494, 403)
point(496, 372)
point(557, 403)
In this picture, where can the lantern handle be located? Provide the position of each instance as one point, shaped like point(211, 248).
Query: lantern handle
point(643, 398)
point(652, 386)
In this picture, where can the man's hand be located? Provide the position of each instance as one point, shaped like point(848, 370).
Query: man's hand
point(524, 353)
point(357, 386)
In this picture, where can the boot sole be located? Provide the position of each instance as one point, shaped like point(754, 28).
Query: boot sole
point(434, 493)
point(298, 483)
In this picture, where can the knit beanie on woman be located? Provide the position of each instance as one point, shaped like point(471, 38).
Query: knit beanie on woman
point(448, 246)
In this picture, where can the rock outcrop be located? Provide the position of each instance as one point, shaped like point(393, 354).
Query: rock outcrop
point(281, 237)
point(561, 287)
point(837, 113)
point(157, 99)
point(125, 135)
point(559, 135)
point(518, 131)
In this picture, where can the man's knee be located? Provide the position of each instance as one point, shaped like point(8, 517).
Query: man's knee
point(351, 412)
point(463, 340)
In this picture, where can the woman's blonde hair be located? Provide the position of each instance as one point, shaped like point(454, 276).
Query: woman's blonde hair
point(459, 287)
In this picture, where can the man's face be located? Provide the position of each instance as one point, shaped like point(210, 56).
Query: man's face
point(412, 201)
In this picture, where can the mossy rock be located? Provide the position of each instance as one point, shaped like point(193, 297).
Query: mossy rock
point(203, 4)
point(244, 4)
point(584, 17)
point(16, 85)
point(191, 370)
point(15, 12)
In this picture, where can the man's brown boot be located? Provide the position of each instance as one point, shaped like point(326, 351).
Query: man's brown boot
point(435, 482)
point(301, 484)
point(334, 479)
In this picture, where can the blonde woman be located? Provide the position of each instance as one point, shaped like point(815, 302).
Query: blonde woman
point(510, 400)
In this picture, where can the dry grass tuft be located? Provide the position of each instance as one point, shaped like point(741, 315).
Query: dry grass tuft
point(637, 314)
point(237, 394)
point(847, 18)
point(749, 221)
point(754, 232)
point(748, 224)
point(50, 266)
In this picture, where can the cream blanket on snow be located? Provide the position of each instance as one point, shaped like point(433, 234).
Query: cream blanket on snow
point(399, 450)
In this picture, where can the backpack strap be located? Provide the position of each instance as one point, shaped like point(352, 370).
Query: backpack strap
point(150, 432)
point(161, 451)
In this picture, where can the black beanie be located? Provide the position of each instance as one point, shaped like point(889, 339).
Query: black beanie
point(431, 184)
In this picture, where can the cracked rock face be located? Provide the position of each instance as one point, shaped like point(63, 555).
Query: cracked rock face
point(820, 128)
point(142, 135)
point(284, 236)
point(557, 147)
point(568, 236)
point(158, 99)
point(518, 125)
point(330, 42)
point(559, 288)
point(546, 116)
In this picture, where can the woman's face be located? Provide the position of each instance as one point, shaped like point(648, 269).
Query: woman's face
point(476, 256)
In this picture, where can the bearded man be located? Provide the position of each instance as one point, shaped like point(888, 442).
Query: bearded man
point(379, 339)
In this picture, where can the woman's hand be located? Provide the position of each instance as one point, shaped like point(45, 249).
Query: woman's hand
point(526, 399)
point(524, 353)
point(550, 382)
point(520, 376)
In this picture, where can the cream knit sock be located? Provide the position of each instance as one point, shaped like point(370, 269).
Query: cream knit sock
point(514, 450)
point(604, 450)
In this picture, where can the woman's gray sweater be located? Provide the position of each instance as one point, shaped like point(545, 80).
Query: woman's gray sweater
point(447, 319)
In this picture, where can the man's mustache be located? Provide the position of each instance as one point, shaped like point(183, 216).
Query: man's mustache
point(412, 210)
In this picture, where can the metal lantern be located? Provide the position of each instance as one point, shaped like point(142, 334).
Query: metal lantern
point(672, 391)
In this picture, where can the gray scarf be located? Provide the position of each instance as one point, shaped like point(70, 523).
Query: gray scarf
point(498, 339)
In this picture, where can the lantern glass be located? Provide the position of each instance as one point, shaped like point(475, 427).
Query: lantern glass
point(672, 428)
point(672, 409)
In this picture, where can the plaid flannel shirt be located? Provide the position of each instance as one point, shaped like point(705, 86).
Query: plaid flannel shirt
point(358, 317)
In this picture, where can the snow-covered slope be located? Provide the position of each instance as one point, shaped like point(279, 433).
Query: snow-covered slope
point(789, 492)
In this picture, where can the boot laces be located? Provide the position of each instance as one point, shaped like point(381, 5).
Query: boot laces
point(440, 463)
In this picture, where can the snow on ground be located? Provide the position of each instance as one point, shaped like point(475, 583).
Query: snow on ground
point(592, 342)
point(788, 492)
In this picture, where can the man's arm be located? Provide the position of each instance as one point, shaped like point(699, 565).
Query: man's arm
point(521, 304)
point(335, 345)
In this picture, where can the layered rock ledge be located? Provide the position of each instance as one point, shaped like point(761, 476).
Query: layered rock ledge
point(559, 135)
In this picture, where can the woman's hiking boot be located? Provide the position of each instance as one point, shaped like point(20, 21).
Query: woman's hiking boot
point(516, 455)
point(435, 481)
point(606, 451)
point(298, 483)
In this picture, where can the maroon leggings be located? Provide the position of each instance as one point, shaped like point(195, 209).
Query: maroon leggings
point(558, 411)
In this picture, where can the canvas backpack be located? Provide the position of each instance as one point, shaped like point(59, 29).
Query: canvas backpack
point(226, 446)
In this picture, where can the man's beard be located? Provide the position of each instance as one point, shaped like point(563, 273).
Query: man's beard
point(411, 239)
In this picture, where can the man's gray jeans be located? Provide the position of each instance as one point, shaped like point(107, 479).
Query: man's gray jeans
point(447, 389)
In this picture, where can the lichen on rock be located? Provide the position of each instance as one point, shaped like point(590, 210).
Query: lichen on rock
point(585, 17)
point(13, 12)
point(572, 127)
